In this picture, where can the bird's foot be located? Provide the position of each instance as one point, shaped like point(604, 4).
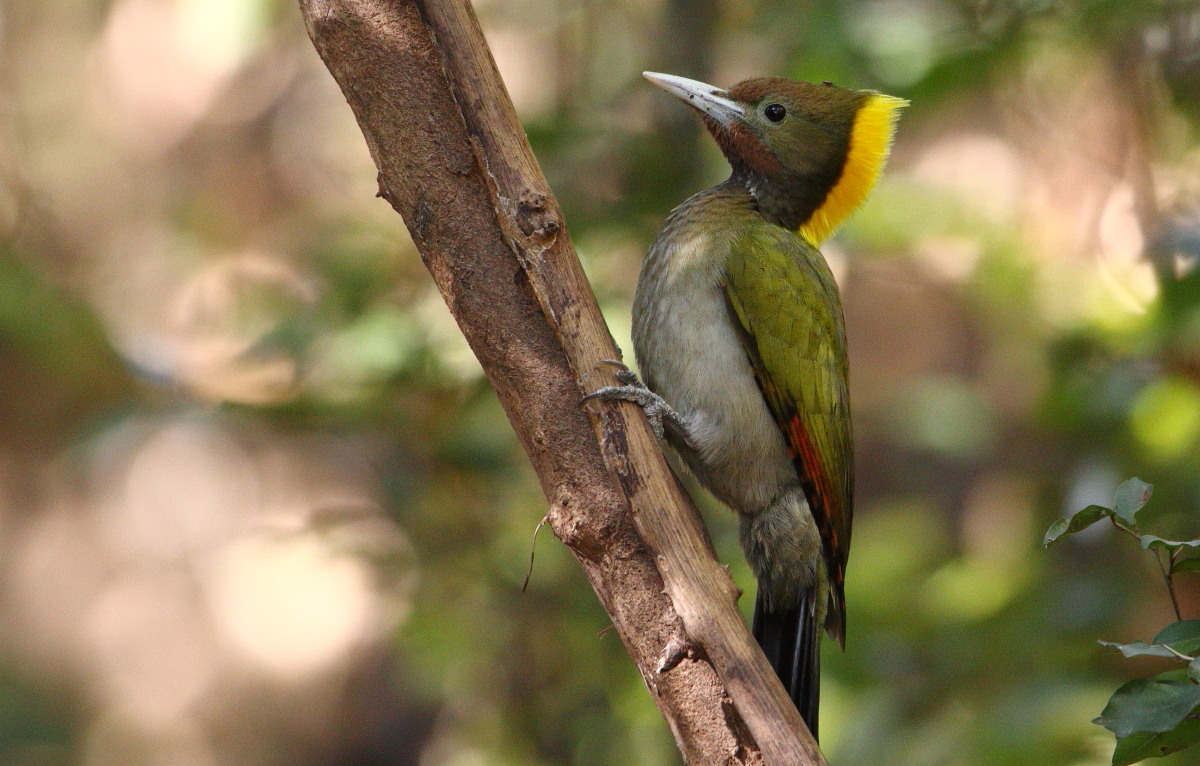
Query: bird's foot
point(632, 389)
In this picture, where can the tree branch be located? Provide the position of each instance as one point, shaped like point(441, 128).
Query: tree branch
point(454, 162)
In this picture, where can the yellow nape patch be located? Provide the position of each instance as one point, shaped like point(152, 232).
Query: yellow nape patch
point(870, 142)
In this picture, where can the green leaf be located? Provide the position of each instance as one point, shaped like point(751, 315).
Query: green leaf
point(1149, 541)
point(1187, 565)
point(1148, 704)
point(1141, 649)
point(1131, 496)
point(1194, 670)
point(1183, 637)
point(1146, 744)
point(1080, 520)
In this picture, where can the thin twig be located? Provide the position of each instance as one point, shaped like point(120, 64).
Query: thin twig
point(533, 550)
point(1170, 575)
point(1166, 573)
point(1126, 530)
point(1180, 655)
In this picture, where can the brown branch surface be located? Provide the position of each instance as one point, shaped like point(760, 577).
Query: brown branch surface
point(454, 162)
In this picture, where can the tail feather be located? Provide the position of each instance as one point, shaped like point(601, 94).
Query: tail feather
point(791, 639)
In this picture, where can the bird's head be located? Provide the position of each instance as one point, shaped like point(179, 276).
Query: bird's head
point(808, 152)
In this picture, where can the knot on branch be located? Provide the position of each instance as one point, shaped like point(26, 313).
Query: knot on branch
point(536, 218)
point(677, 650)
point(384, 192)
point(569, 528)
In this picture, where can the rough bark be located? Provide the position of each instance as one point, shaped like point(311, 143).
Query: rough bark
point(454, 162)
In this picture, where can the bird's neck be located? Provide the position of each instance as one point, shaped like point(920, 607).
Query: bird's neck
point(816, 203)
point(789, 206)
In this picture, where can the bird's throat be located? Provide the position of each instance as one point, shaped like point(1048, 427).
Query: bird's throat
point(783, 205)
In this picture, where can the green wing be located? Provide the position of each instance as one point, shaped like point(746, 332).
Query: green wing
point(783, 296)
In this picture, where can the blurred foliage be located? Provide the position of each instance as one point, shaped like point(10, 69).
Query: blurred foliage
point(1151, 717)
point(258, 505)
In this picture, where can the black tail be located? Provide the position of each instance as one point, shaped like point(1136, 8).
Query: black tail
point(791, 639)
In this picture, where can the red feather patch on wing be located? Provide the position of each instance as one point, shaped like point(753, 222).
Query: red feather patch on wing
point(825, 501)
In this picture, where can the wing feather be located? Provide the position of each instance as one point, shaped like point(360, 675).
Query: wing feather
point(782, 296)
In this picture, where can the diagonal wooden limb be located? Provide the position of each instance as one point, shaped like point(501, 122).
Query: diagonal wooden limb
point(454, 162)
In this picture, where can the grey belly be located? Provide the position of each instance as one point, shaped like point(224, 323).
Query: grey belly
point(690, 354)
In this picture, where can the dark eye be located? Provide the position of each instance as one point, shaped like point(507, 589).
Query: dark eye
point(775, 112)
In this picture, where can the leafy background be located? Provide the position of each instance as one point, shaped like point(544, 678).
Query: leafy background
point(258, 506)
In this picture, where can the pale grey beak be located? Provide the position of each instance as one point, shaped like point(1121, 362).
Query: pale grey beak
point(712, 101)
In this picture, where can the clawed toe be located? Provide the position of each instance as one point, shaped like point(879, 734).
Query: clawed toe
point(614, 362)
point(626, 376)
point(651, 403)
point(632, 389)
point(606, 394)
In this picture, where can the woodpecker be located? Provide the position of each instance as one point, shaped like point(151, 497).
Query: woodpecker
point(740, 339)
